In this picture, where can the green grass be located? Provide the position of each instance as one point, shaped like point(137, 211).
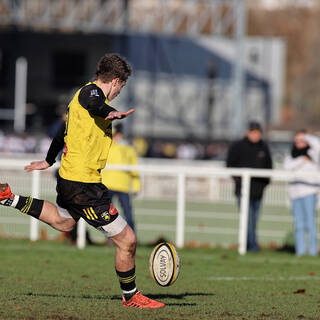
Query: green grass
point(50, 280)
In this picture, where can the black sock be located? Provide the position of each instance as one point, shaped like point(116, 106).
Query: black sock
point(30, 206)
point(127, 281)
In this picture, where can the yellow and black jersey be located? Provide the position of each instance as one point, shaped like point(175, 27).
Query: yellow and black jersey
point(87, 136)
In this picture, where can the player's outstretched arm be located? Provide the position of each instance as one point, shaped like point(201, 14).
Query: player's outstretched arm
point(37, 165)
point(118, 114)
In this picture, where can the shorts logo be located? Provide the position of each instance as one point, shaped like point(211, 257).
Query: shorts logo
point(90, 214)
point(112, 210)
point(105, 215)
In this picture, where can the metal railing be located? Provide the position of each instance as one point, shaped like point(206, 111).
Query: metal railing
point(188, 171)
point(181, 172)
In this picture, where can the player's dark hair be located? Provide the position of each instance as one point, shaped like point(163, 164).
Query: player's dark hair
point(112, 66)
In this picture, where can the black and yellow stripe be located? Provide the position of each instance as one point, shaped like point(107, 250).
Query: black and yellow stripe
point(90, 214)
point(176, 263)
point(127, 279)
point(27, 205)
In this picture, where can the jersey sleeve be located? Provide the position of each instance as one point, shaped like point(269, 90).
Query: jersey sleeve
point(56, 145)
point(92, 98)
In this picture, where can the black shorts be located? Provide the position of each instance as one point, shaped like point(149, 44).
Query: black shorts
point(89, 201)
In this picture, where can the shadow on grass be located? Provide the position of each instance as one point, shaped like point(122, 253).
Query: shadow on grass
point(118, 297)
point(179, 296)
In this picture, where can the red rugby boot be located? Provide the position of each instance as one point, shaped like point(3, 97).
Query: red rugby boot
point(5, 191)
point(140, 301)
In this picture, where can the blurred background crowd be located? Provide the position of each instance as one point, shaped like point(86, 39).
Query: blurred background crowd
point(17, 145)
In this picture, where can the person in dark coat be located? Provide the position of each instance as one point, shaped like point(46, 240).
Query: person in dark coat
point(251, 152)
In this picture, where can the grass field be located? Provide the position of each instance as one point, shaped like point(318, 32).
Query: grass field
point(50, 280)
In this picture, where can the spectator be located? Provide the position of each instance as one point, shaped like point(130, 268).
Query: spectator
point(251, 152)
point(122, 183)
point(303, 192)
point(169, 150)
point(141, 145)
point(186, 151)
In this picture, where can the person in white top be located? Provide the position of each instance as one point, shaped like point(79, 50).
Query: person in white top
point(303, 191)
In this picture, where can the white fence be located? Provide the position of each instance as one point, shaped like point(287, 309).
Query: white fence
point(213, 177)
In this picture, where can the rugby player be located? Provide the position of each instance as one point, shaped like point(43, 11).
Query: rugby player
point(85, 138)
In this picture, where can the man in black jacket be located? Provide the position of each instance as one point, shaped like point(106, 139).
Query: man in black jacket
point(251, 152)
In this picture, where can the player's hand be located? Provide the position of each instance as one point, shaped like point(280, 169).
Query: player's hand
point(118, 114)
point(37, 165)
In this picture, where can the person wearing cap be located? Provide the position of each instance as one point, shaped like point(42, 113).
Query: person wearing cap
point(251, 152)
point(122, 184)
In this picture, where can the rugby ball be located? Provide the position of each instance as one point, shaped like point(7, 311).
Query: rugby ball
point(164, 264)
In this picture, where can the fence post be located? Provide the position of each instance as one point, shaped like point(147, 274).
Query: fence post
point(35, 193)
point(244, 210)
point(20, 93)
point(81, 234)
point(181, 198)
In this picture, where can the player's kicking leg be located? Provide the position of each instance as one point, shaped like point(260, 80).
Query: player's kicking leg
point(119, 231)
point(43, 210)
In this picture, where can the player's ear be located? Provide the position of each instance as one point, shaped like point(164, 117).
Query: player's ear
point(115, 82)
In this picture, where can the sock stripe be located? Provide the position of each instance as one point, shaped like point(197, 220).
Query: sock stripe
point(24, 207)
point(27, 206)
point(128, 279)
